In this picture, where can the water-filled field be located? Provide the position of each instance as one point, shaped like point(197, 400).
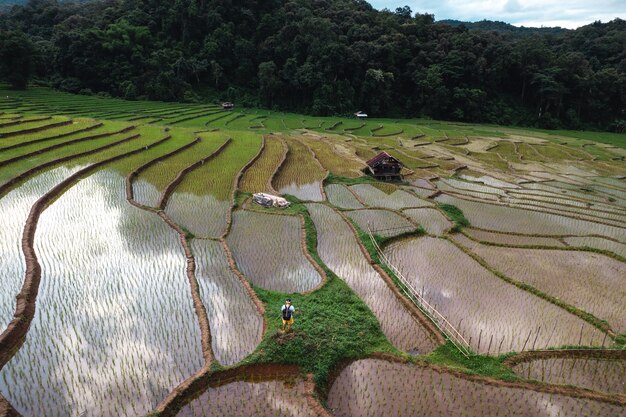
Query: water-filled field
point(138, 275)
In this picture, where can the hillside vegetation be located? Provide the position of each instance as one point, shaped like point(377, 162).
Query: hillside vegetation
point(320, 57)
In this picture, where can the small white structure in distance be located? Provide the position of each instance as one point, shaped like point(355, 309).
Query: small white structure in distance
point(268, 200)
point(360, 115)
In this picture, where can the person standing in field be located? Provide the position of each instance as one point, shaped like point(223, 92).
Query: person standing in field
point(288, 311)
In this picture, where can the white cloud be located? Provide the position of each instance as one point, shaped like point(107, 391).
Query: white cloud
point(564, 13)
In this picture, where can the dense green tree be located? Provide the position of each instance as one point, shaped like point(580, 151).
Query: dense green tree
point(16, 58)
point(323, 57)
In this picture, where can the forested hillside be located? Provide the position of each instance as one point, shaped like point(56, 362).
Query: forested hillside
point(322, 57)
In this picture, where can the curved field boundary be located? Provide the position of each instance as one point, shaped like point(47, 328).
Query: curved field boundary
point(307, 255)
point(319, 164)
point(246, 284)
point(200, 309)
point(235, 188)
point(6, 410)
point(334, 125)
point(494, 203)
point(191, 117)
point(226, 114)
point(20, 121)
point(167, 192)
point(130, 192)
point(14, 335)
point(239, 116)
point(4, 188)
point(533, 355)
point(58, 146)
point(62, 135)
point(352, 129)
point(541, 387)
point(270, 181)
point(202, 381)
point(413, 310)
point(35, 129)
point(601, 325)
point(386, 135)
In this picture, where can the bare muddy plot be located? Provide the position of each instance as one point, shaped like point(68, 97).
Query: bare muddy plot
point(598, 243)
point(300, 175)
point(236, 324)
point(606, 375)
point(15, 207)
point(515, 220)
point(378, 388)
point(260, 399)
point(592, 282)
point(340, 196)
point(338, 248)
point(115, 328)
point(381, 222)
point(430, 219)
point(494, 316)
point(512, 240)
point(268, 250)
point(396, 200)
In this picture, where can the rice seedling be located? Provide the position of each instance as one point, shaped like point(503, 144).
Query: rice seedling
point(236, 324)
point(32, 126)
point(150, 183)
point(514, 220)
point(129, 334)
point(340, 196)
point(8, 172)
point(301, 174)
point(598, 374)
point(589, 281)
point(15, 207)
point(381, 222)
point(393, 198)
point(258, 177)
point(431, 220)
point(481, 305)
point(259, 399)
point(340, 251)
point(268, 249)
point(202, 201)
point(374, 388)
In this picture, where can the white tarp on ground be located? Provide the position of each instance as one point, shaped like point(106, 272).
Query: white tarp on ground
point(268, 200)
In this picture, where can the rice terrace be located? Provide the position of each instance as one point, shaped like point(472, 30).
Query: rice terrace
point(139, 277)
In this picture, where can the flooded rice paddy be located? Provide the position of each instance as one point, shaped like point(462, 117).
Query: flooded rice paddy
point(236, 325)
point(115, 328)
point(606, 375)
point(259, 399)
point(592, 282)
point(494, 316)
point(269, 250)
point(15, 207)
point(381, 222)
point(338, 248)
point(376, 388)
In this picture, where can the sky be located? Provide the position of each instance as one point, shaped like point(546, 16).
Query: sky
point(530, 13)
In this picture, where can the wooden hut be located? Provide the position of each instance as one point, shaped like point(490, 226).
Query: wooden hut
point(384, 167)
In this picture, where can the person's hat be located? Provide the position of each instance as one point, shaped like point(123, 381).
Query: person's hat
point(288, 300)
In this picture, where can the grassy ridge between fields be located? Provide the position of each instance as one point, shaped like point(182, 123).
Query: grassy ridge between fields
point(332, 324)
